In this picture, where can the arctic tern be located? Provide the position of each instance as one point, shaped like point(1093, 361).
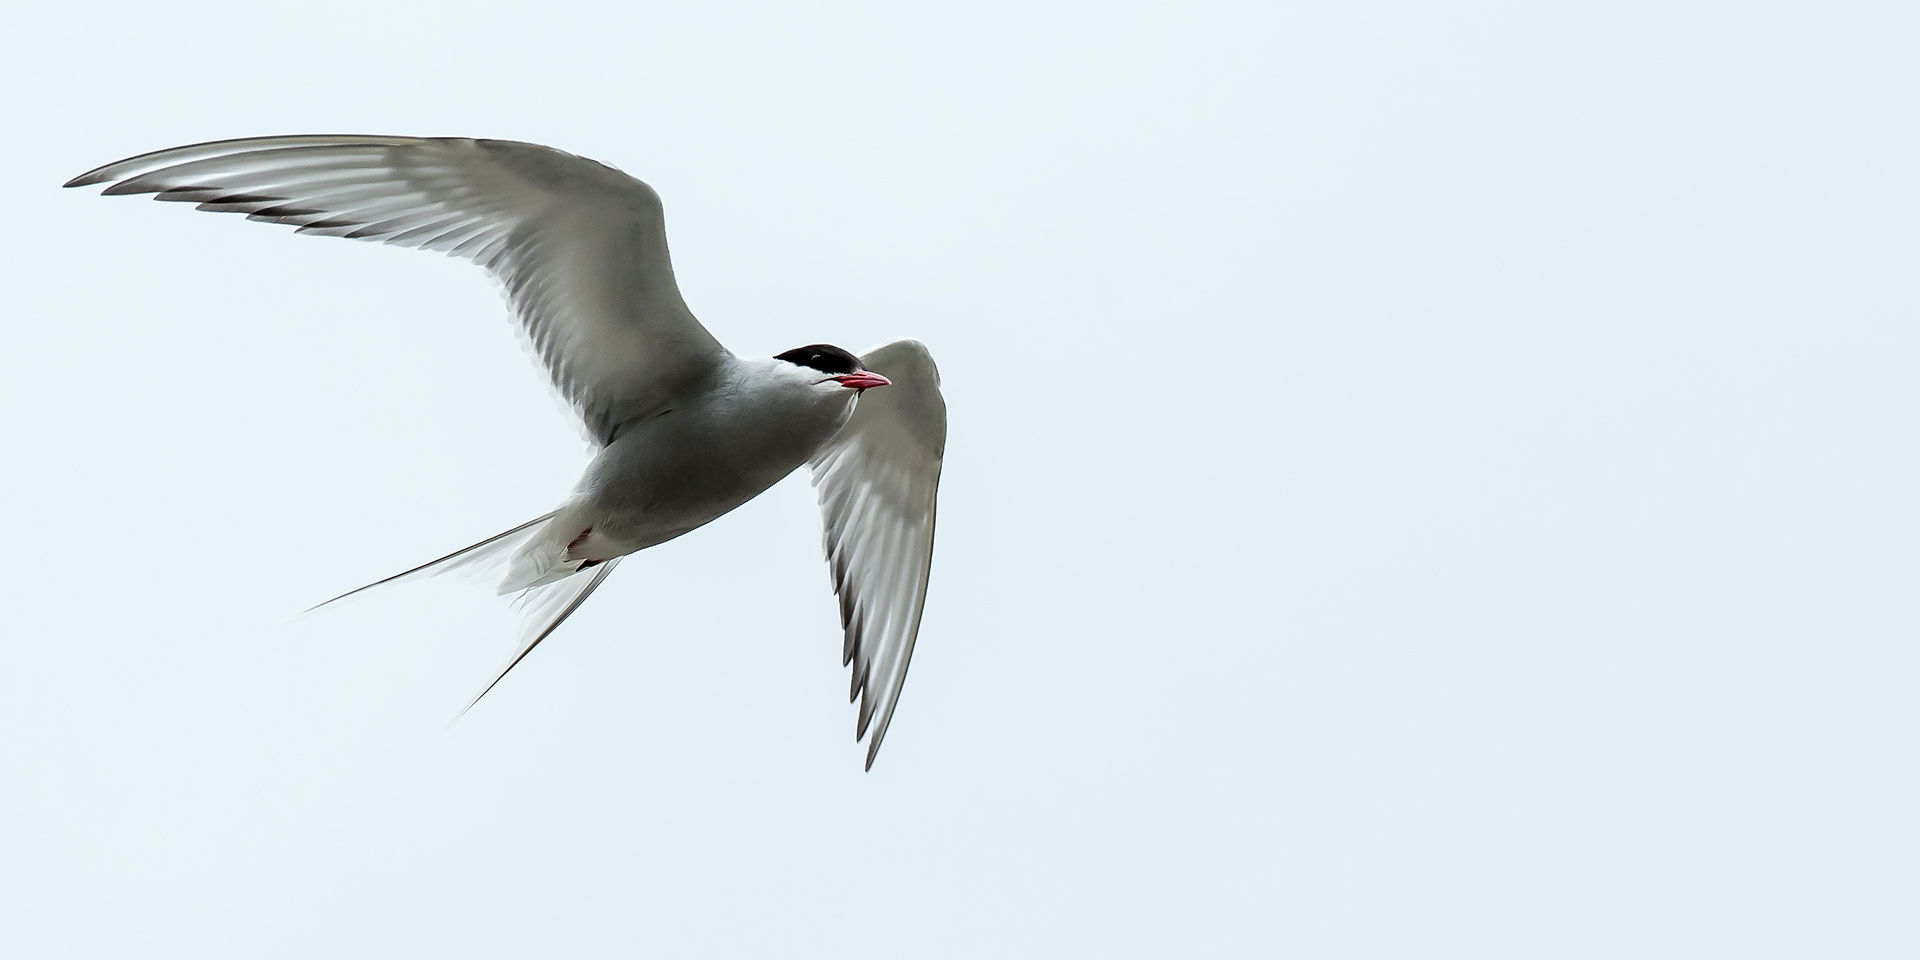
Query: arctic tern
point(683, 430)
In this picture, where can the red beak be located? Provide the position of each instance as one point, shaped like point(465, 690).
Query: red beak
point(864, 380)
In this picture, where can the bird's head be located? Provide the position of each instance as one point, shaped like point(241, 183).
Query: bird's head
point(833, 368)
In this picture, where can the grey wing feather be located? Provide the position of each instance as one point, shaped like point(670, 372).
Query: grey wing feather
point(580, 247)
point(878, 480)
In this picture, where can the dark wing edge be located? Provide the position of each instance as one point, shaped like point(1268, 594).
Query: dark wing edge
point(878, 482)
point(579, 246)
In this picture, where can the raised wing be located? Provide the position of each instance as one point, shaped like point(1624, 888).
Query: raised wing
point(580, 247)
point(877, 480)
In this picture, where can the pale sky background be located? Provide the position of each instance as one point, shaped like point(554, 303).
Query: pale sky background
point(1425, 480)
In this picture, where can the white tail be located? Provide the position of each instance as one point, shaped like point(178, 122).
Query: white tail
point(492, 551)
point(544, 606)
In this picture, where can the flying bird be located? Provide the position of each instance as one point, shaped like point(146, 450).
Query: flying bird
point(683, 430)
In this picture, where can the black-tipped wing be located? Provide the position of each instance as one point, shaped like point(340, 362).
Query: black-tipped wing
point(580, 247)
point(877, 481)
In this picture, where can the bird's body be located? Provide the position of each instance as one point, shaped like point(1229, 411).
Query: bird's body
point(684, 430)
point(678, 468)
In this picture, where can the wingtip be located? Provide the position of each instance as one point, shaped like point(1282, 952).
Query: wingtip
point(87, 179)
point(129, 188)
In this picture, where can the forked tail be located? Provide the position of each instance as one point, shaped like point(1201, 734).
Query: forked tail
point(493, 551)
point(544, 606)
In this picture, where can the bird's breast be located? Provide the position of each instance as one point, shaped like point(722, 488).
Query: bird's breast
point(686, 467)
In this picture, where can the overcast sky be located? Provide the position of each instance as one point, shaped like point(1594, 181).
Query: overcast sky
point(1424, 480)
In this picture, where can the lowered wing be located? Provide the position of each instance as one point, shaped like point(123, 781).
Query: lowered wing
point(877, 480)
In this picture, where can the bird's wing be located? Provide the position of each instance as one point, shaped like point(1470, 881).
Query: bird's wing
point(878, 479)
point(580, 247)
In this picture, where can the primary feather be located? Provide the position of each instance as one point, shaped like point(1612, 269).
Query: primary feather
point(878, 480)
point(580, 247)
